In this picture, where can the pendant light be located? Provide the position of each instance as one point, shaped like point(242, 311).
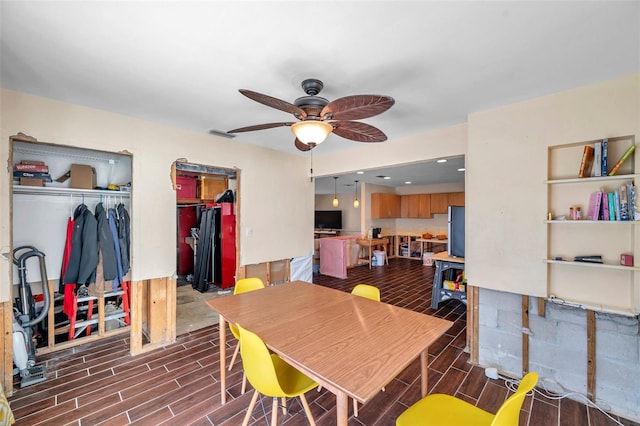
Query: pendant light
point(335, 191)
point(356, 203)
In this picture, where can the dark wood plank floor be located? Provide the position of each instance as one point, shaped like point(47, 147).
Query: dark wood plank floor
point(100, 383)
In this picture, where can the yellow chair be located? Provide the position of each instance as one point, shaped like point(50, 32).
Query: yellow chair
point(271, 376)
point(243, 285)
point(368, 291)
point(440, 409)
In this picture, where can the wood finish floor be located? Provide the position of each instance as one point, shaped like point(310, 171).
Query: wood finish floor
point(100, 383)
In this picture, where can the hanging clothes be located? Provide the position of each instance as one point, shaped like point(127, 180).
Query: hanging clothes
point(83, 258)
point(124, 238)
point(113, 220)
point(106, 244)
point(68, 302)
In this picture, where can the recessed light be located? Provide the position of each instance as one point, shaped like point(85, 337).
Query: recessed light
point(462, 169)
point(360, 173)
point(408, 182)
point(442, 160)
point(387, 177)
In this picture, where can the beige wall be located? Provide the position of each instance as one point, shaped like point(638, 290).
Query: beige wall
point(266, 208)
point(506, 167)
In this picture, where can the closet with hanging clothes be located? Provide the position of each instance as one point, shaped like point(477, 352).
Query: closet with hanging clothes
point(81, 220)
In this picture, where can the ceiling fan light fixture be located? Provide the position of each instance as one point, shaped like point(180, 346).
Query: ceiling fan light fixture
point(311, 131)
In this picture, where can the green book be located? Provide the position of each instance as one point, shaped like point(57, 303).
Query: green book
point(621, 160)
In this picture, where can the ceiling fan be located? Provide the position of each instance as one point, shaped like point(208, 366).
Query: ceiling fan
point(318, 117)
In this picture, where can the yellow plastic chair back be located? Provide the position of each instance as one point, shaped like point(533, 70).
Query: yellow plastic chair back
point(509, 412)
point(440, 409)
point(368, 291)
point(268, 373)
point(245, 285)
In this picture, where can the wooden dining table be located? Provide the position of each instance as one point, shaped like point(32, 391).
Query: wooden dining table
point(350, 345)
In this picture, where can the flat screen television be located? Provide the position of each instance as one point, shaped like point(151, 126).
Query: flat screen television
point(456, 231)
point(328, 219)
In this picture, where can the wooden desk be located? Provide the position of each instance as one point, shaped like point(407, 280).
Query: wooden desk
point(370, 243)
point(350, 345)
point(444, 262)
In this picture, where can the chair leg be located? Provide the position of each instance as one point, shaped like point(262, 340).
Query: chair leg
point(319, 388)
point(274, 412)
point(284, 405)
point(235, 354)
point(307, 410)
point(252, 404)
point(244, 383)
point(355, 408)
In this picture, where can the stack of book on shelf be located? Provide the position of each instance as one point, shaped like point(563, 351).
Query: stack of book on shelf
point(615, 205)
point(595, 161)
point(588, 259)
point(31, 173)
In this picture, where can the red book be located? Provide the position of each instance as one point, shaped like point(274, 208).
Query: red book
point(41, 168)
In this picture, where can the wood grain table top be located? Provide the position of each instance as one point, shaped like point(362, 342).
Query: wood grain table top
point(346, 343)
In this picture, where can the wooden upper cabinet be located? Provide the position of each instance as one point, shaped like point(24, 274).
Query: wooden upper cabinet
point(456, 199)
point(415, 206)
point(385, 206)
point(439, 203)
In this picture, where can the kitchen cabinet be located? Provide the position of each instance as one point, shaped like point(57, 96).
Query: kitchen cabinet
point(385, 206)
point(416, 206)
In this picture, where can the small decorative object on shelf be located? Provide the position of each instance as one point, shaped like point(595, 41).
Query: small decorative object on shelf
point(626, 259)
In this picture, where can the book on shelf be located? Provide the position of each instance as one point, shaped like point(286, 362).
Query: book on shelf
point(605, 206)
point(616, 202)
point(612, 211)
point(587, 161)
point(626, 155)
point(605, 156)
point(35, 175)
point(40, 168)
point(624, 202)
point(595, 200)
point(631, 200)
point(588, 259)
point(597, 160)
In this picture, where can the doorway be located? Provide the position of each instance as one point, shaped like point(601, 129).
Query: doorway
point(207, 244)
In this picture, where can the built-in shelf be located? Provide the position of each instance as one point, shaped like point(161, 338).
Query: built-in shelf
point(50, 190)
point(593, 265)
point(591, 179)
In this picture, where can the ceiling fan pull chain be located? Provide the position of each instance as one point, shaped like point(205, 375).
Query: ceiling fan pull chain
point(311, 179)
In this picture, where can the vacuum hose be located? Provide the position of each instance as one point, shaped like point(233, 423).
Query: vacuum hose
point(25, 290)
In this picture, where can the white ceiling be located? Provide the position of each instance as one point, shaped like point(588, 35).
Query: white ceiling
point(181, 63)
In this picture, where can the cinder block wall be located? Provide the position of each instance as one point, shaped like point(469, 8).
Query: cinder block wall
point(558, 349)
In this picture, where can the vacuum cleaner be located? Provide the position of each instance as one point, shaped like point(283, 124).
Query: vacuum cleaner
point(25, 318)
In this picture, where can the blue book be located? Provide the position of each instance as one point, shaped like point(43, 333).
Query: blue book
point(605, 148)
point(616, 203)
point(612, 211)
point(35, 175)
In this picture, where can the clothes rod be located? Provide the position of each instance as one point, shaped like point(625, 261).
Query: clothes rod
point(51, 191)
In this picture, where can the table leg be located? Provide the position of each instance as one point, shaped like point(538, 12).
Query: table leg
point(223, 356)
point(342, 408)
point(369, 256)
point(424, 367)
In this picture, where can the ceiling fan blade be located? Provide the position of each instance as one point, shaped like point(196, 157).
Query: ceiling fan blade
point(356, 107)
point(359, 132)
point(275, 103)
point(260, 127)
point(303, 146)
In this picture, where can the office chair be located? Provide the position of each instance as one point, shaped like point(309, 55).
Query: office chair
point(271, 376)
point(440, 409)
